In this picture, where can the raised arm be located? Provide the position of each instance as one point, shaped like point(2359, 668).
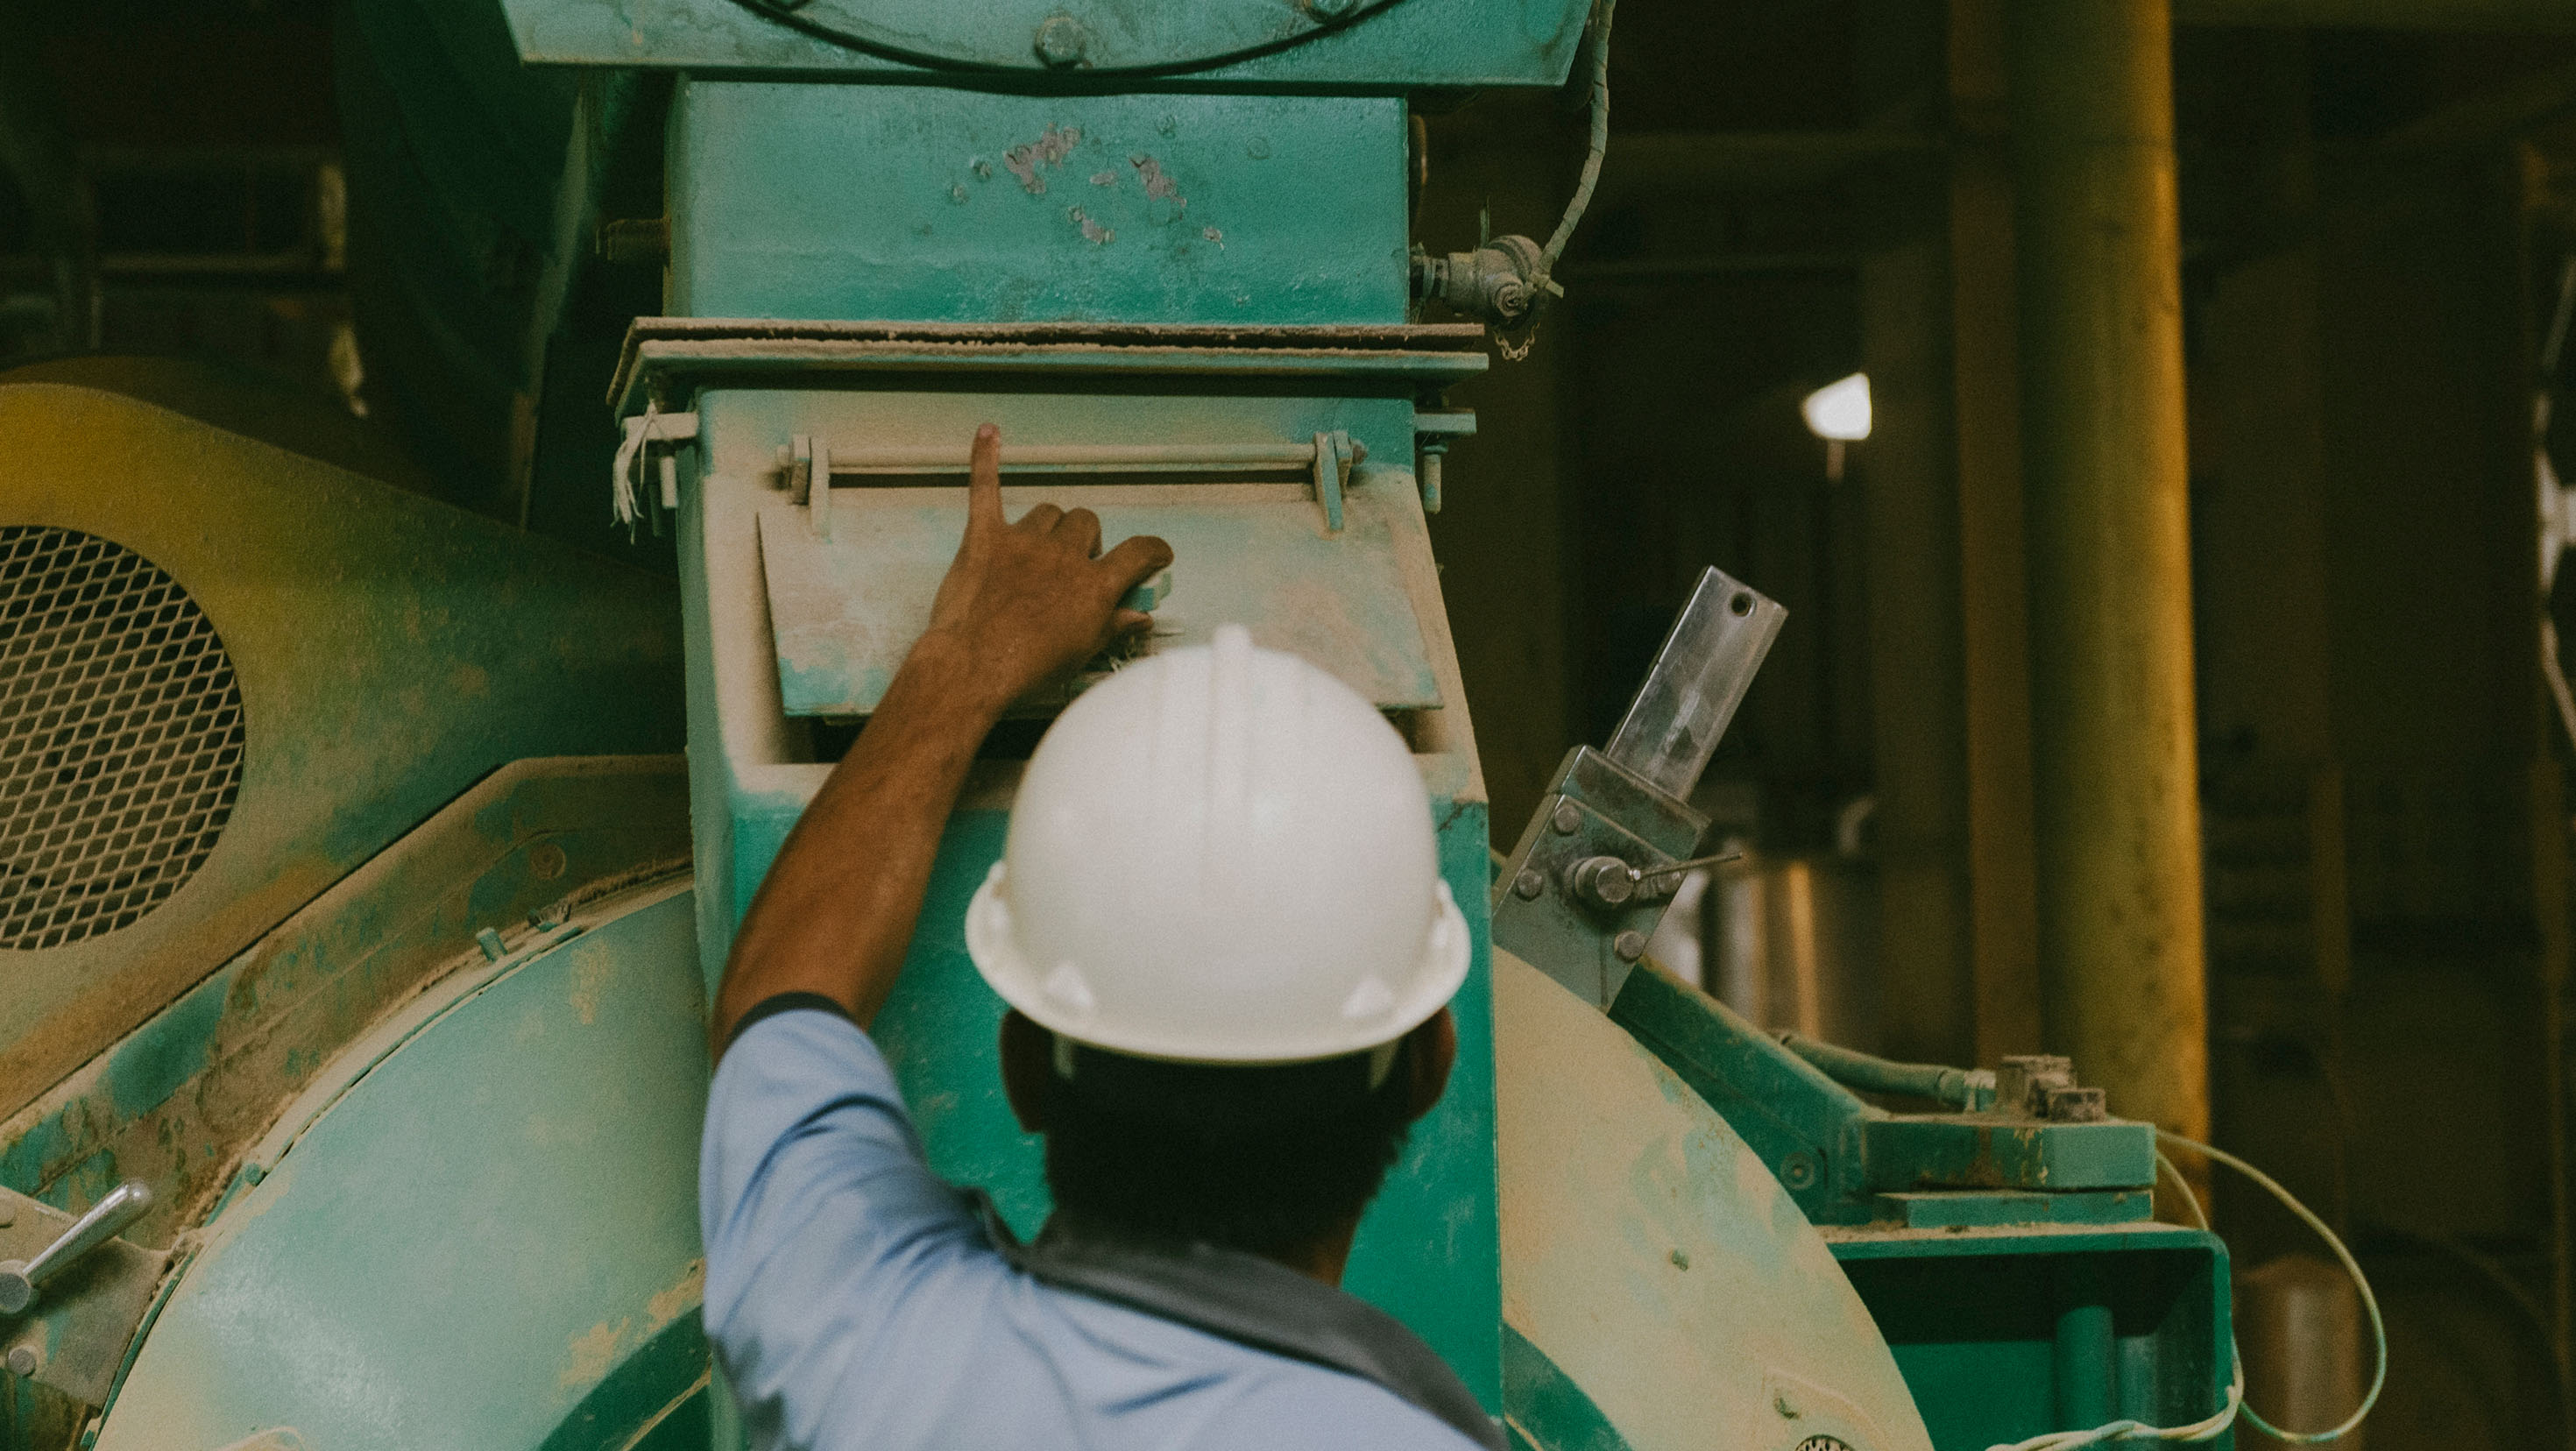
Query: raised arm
point(1023, 603)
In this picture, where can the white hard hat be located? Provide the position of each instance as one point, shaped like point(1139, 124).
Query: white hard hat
point(1221, 854)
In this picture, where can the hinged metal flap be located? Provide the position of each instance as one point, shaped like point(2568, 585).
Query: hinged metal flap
point(845, 607)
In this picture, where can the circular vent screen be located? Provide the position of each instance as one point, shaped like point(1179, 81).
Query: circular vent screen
point(120, 736)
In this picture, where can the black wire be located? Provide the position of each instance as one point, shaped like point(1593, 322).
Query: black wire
point(778, 14)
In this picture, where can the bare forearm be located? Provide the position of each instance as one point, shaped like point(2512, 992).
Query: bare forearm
point(838, 908)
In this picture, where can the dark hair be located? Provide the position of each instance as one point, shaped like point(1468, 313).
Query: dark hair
point(1124, 1163)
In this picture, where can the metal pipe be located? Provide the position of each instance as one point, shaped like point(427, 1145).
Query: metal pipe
point(949, 459)
point(1967, 1088)
point(2114, 766)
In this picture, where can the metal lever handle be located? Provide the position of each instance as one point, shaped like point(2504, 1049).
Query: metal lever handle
point(21, 1279)
point(1675, 869)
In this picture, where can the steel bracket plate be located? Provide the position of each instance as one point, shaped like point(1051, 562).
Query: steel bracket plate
point(74, 1337)
point(1593, 808)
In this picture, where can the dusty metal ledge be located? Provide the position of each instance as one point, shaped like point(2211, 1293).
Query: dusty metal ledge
point(667, 358)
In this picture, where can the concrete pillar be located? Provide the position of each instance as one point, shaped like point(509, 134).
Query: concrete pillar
point(2113, 751)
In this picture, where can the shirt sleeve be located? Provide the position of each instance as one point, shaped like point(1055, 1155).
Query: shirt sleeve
point(819, 1213)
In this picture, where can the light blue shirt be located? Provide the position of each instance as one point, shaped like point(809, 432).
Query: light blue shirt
point(855, 1301)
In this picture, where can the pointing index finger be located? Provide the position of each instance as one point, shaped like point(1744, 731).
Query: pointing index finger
point(984, 481)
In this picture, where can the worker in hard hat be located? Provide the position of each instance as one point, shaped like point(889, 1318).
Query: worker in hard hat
point(1227, 953)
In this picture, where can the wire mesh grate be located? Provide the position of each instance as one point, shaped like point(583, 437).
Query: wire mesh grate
point(120, 736)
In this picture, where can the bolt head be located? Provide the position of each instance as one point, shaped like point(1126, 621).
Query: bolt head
point(1798, 1171)
point(1528, 884)
point(1061, 40)
point(22, 1360)
point(1568, 818)
point(1629, 946)
point(1331, 9)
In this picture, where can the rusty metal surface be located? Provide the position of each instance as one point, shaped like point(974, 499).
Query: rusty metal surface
point(390, 651)
point(1655, 1262)
point(176, 1102)
point(847, 609)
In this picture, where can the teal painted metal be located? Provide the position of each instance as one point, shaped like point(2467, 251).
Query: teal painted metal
point(1839, 1155)
point(1549, 1411)
point(1413, 44)
point(179, 1099)
point(479, 1234)
point(390, 651)
point(2007, 1259)
point(2033, 1229)
point(1995, 1208)
point(1427, 1251)
point(1097, 261)
point(813, 202)
point(2011, 1333)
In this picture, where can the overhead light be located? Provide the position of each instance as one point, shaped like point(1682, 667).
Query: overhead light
point(1839, 411)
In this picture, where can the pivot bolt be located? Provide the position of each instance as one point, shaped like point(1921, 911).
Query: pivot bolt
point(1604, 882)
point(1528, 884)
point(1061, 41)
point(1797, 1172)
point(1628, 946)
point(22, 1361)
point(1568, 818)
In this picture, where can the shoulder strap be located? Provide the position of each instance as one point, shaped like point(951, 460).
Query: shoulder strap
point(1251, 1301)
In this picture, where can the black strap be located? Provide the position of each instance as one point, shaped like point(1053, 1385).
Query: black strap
point(1251, 1301)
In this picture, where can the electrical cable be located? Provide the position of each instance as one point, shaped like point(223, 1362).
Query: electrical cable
point(1600, 146)
point(785, 13)
point(2211, 1426)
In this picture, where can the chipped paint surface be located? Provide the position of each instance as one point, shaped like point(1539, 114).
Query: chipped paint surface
point(1030, 159)
point(911, 228)
point(529, 1212)
point(593, 1351)
point(1092, 231)
point(687, 1295)
point(1159, 184)
point(1636, 1228)
point(178, 1100)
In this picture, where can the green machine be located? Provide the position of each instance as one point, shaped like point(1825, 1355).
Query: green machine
point(406, 1067)
point(2003, 1238)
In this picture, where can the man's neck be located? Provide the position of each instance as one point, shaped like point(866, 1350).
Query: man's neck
point(1323, 1260)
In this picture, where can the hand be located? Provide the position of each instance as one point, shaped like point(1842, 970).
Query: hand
point(1024, 603)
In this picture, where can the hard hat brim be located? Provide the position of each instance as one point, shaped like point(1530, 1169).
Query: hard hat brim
point(995, 950)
